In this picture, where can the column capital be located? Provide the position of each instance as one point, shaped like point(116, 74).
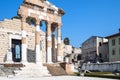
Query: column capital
point(38, 21)
point(23, 18)
point(59, 25)
point(49, 22)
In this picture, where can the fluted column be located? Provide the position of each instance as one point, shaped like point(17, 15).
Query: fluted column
point(37, 42)
point(24, 42)
point(59, 47)
point(49, 45)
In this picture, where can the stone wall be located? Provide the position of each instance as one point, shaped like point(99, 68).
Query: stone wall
point(14, 24)
point(108, 67)
point(13, 27)
point(3, 45)
point(8, 69)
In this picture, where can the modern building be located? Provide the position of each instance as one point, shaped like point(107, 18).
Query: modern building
point(114, 47)
point(95, 49)
point(24, 43)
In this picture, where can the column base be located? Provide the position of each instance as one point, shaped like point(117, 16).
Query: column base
point(24, 53)
point(49, 56)
point(38, 55)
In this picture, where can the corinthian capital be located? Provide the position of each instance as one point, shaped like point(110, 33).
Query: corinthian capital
point(23, 18)
point(49, 23)
point(59, 25)
point(38, 21)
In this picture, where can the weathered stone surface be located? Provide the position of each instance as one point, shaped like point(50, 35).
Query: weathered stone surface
point(5, 71)
point(32, 70)
point(56, 70)
point(13, 27)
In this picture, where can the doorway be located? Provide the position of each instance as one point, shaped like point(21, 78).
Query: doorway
point(16, 50)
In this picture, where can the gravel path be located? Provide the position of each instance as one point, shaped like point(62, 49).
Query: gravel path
point(57, 78)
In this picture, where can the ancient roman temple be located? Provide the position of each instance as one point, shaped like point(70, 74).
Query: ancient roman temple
point(22, 41)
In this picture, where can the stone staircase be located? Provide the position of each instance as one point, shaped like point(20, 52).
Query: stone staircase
point(32, 70)
point(56, 69)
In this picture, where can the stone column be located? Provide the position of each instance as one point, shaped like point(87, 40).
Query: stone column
point(37, 42)
point(49, 47)
point(59, 47)
point(53, 48)
point(24, 42)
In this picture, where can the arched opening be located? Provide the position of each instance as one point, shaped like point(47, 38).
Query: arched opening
point(43, 25)
point(31, 21)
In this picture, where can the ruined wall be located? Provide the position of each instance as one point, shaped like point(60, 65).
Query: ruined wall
point(104, 67)
point(13, 27)
point(6, 27)
point(3, 45)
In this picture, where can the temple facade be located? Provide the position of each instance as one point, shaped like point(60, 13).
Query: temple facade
point(23, 42)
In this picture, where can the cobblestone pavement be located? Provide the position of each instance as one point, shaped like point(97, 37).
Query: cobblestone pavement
point(57, 78)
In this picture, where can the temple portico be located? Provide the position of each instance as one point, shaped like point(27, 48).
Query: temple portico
point(26, 44)
point(41, 10)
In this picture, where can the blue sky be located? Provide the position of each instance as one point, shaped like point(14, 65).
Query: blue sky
point(83, 18)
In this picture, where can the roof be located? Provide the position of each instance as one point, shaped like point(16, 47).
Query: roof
point(114, 35)
point(91, 38)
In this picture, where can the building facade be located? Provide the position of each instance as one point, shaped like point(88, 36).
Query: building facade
point(22, 42)
point(92, 49)
point(114, 47)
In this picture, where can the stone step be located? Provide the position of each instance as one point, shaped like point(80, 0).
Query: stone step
point(31, 74)
point(56, 70)
point(32, 70)
point(34, 67)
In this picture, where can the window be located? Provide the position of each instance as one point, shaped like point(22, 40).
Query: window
point(100, 44)
point(113, 42)
point(100, 55)
point(119, 40)
point(113, 52)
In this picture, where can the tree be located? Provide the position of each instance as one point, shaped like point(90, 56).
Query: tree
point(66, 41)
point(16, 17)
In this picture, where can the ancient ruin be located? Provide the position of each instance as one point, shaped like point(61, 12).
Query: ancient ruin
point(24, 42)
